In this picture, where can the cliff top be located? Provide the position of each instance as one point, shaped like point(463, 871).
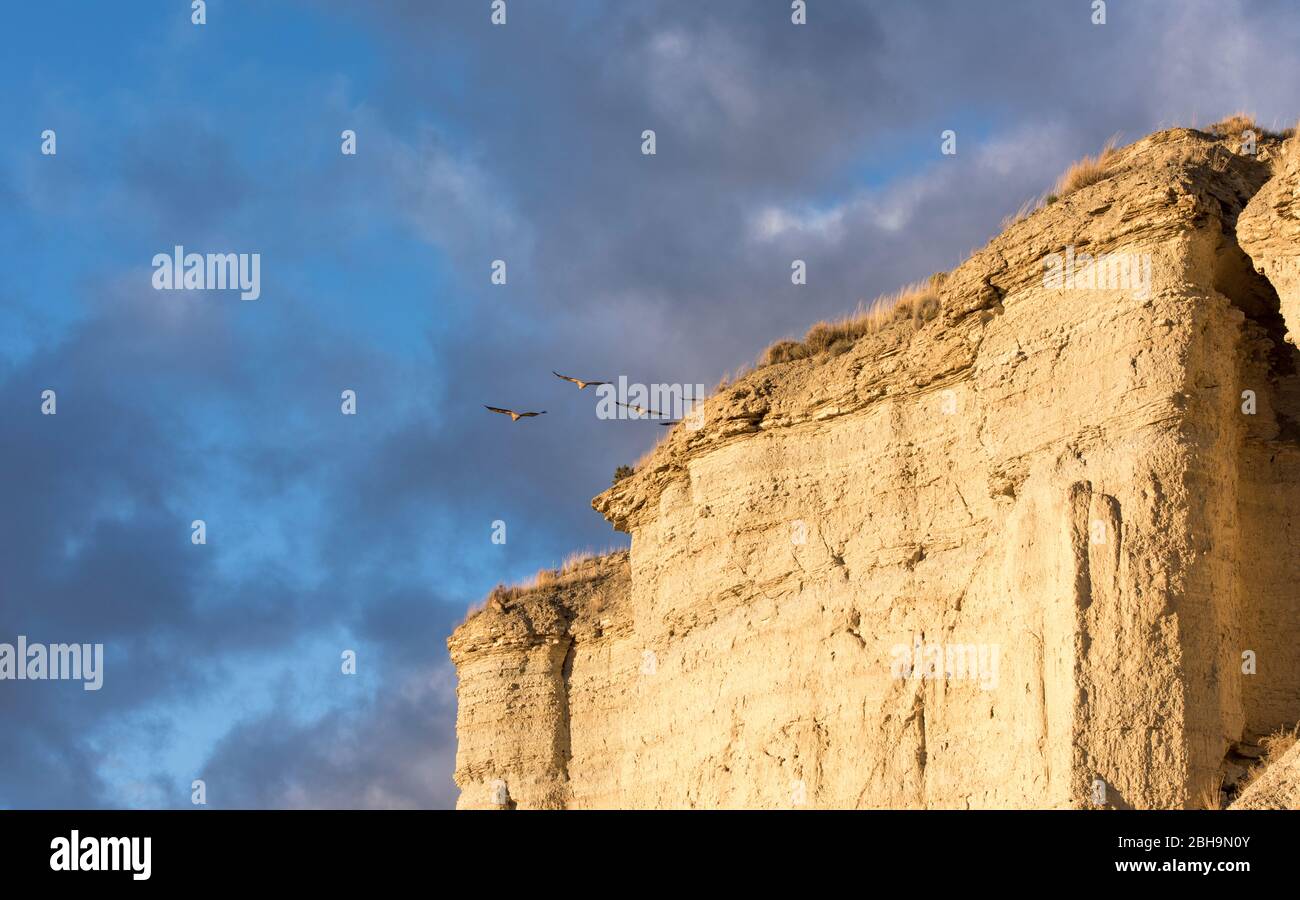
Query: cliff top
point(583, 595)
point(1169, 182)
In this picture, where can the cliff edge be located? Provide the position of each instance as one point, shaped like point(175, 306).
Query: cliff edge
point(1037, 550)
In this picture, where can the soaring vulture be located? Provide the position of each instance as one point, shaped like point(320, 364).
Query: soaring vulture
point(578, 381)
point(514, 416)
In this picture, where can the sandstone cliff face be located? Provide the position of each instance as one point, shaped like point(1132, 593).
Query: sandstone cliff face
point(530, 705)
point(1269, 230)
point(1010, 558)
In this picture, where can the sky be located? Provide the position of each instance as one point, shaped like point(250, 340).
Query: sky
point(475, 142)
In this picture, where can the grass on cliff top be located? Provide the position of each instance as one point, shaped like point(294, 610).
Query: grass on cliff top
point(918, 302)
point(1237, 124)
point(1080, 174)
point(1088, 170)
point(1092, 169)
point(1292, 138)
point(570, 570)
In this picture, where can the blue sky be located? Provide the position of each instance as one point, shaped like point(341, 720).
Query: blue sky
point(475, 143)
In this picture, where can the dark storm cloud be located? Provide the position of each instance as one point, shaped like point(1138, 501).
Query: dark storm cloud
point(753, 112)
point(98, 500)
point(395, 752)
point(95, 549)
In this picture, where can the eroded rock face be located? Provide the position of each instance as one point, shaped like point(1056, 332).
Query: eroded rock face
point(1011, 558)
point(530, 705)
point(1269, 231)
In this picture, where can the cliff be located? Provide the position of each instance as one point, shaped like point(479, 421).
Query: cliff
point(1036, 551)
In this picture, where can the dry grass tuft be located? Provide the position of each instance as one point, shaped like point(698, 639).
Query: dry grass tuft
point(729, 378)
point(1235, 125)
point(917, 302)
point(1292, 136)
point(1275, 747)
point(783, 351)
point(570, 570)
point(1088, 170)
point(665, 434)
point(578, 559)
point(1277, 744)
point(1028, 208)
point(1211, 796)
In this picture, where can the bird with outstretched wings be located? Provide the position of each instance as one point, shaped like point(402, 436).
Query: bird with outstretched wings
point(582, 385)
point(639, 409)
point(514, 416)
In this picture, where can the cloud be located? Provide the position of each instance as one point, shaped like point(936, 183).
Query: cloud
point(997, 166)
point(395, 752)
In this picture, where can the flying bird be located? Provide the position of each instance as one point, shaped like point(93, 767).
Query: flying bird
point(639, 409)
point(579, 382)
point(514, 416)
